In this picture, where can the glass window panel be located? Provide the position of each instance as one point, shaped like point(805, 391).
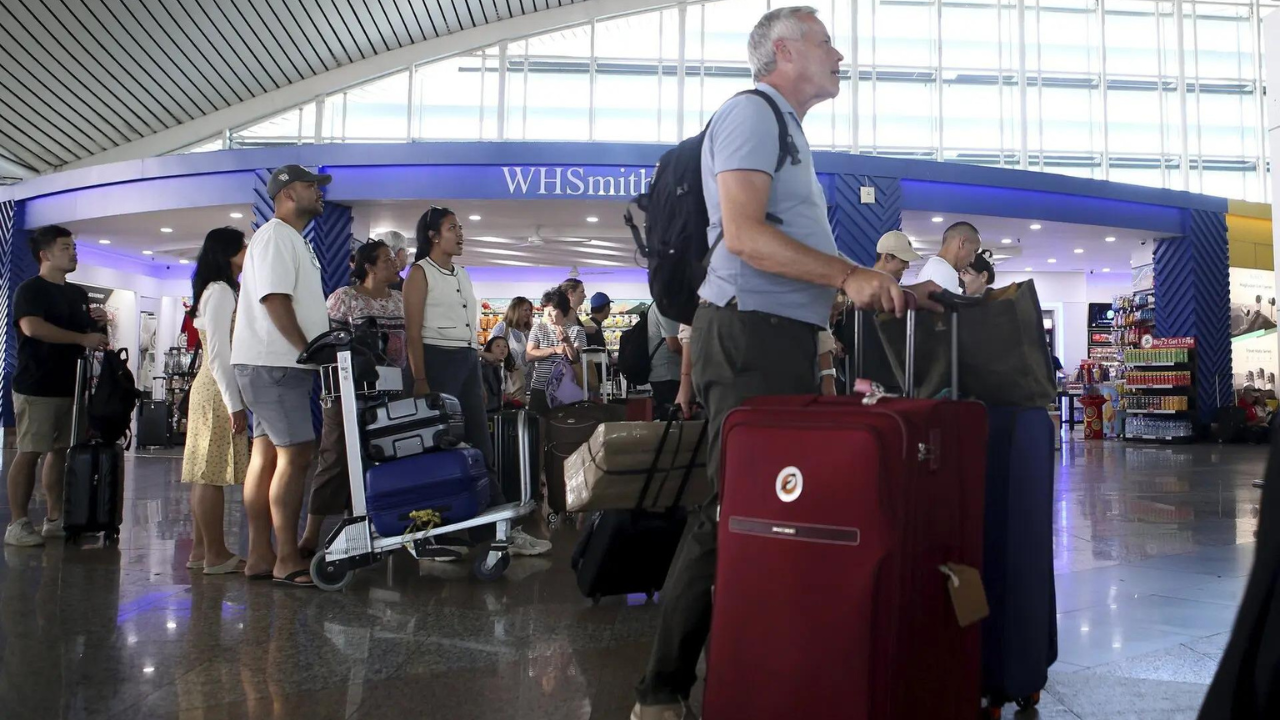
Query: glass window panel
point(693, 24)
point(670, 34)
point(515, 127)
point(970, 37)
point(838, 23)
point(1012, 117)
point(307, 126)
point(668, 100)
point(1229, 124)
point(448, 97)
point(972, 119)
point(558, 106)
point(625, 107)
point(905, 114)
point(632, 37)
point(1070, 118)
point(818, 124)
point(379, 110)
point(1094, 173)
point(1147, 176)
point(866, 31)
point(865, 138)
point(1070, 42)
point(1133, 121)
point(727, 26)
point(842, 108)
point(904, 34)
point(331, 124)
point(1227, 183)
point(1172, 123)
point(1133, 47)
point(1224, 46)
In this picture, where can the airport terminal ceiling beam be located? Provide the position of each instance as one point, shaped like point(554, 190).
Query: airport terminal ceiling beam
point(304, 91)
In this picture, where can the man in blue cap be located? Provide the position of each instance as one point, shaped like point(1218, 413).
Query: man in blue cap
point(601, 306)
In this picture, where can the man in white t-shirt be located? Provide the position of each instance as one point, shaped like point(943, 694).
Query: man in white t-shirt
point(281, 308)
point(960, 243)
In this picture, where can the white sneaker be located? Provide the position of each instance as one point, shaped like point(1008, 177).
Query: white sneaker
point(53, 529)
point(524, 544)
point(22, 534)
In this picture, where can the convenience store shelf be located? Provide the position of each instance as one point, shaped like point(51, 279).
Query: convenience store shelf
point(1164, 364)
point(1156, 412)
point(1175, 439)
point(1158, 387)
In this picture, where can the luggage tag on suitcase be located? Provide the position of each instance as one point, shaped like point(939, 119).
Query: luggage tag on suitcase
point(967, 594)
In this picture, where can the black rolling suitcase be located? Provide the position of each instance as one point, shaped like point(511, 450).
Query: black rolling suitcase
point(93, 487)
point(153, 424)
point(565, 429)
point(1020, 637)
point(505, 428)
point(630, 551)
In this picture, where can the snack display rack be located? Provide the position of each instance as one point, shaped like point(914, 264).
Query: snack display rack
point(1159, 401)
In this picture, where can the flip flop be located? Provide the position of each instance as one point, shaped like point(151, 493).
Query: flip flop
point(292, 579)
point(261, 576)
point(226, 568)
point(195, 564)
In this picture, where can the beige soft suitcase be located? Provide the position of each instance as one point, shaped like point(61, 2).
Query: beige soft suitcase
point(610, 470)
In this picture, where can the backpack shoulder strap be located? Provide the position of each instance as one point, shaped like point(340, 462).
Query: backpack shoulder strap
point(786, 144)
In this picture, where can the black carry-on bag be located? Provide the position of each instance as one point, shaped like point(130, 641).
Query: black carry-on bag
point(93, 486)
point(630, 551)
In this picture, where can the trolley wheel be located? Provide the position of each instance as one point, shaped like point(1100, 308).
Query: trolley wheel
point(489, 574)
point(326, 578)
point(553, 518)
point(111, 537)
point(1029, 701)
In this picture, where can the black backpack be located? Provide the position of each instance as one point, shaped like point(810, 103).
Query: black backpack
point(675, 223)
point(635, 359)
point(114, 398)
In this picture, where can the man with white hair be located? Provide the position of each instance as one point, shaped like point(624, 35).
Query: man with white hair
point(399, 245)
point(770, 284)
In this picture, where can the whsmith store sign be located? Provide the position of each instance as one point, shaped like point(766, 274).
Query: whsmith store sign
point(487, 182)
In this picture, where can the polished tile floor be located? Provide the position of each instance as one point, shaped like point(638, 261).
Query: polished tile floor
point(1152, 546)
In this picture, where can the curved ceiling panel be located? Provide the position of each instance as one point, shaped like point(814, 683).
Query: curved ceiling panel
point(79, 77)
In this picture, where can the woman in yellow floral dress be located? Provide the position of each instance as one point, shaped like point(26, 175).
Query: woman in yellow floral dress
point(217, 447)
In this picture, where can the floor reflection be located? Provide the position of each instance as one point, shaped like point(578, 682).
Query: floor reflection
point(1151, 546)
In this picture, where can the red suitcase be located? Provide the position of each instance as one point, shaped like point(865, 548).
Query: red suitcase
point(836, 517)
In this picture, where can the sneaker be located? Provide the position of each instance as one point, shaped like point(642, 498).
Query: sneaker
point(52, 528)
point(677, 711)
point(524, 544)
point(22, 534)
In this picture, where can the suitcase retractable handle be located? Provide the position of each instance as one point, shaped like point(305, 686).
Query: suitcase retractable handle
point(952, 303)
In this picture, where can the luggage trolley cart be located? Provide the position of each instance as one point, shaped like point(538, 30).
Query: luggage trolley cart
point(354, 543)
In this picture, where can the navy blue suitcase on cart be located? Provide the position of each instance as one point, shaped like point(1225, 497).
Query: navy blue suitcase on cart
point(1020, 637)
point(454, 483)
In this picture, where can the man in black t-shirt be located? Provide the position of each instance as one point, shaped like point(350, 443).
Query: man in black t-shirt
point(55, 326)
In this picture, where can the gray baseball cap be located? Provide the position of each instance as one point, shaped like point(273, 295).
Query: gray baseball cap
point(285, 175)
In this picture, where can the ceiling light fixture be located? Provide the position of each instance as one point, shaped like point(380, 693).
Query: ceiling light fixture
point(1053, 260)
point(513, 262)
point(488, 239)
point(1079, 251)
point(593, 219)
point(475, 217)
point(147, 252)
point(598, 251)
point(237, 215)
point(1001, 257)
point(166, 230)
point(184, 261)
point(1106, 269)
point(1110, 239)
point(104, 242)
point(498, 251)
point(1006, 241)
point(937, 219)
point(1035, 226)
point(1027, 269)
point(593, 261)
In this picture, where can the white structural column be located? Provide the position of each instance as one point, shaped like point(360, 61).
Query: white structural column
point(853, 80)
point(1023, 157)
point(502, 90)
point(1185, 159)
point(1271, 40)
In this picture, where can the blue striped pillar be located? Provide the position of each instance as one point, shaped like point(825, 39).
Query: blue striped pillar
point(1193, 299)
point(330, 237)
point(16, 265)
point(858, 227)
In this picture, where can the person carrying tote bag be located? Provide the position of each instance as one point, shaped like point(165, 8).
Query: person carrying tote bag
point(1004, 360)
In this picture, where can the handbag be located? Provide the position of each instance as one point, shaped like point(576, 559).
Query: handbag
point(562, 385)
point(1003, 356)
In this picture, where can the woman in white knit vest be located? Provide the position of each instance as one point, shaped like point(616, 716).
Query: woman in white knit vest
point(441, 315)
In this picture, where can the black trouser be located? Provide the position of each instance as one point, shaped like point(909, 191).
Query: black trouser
point(736, 356)
point(664, 396)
